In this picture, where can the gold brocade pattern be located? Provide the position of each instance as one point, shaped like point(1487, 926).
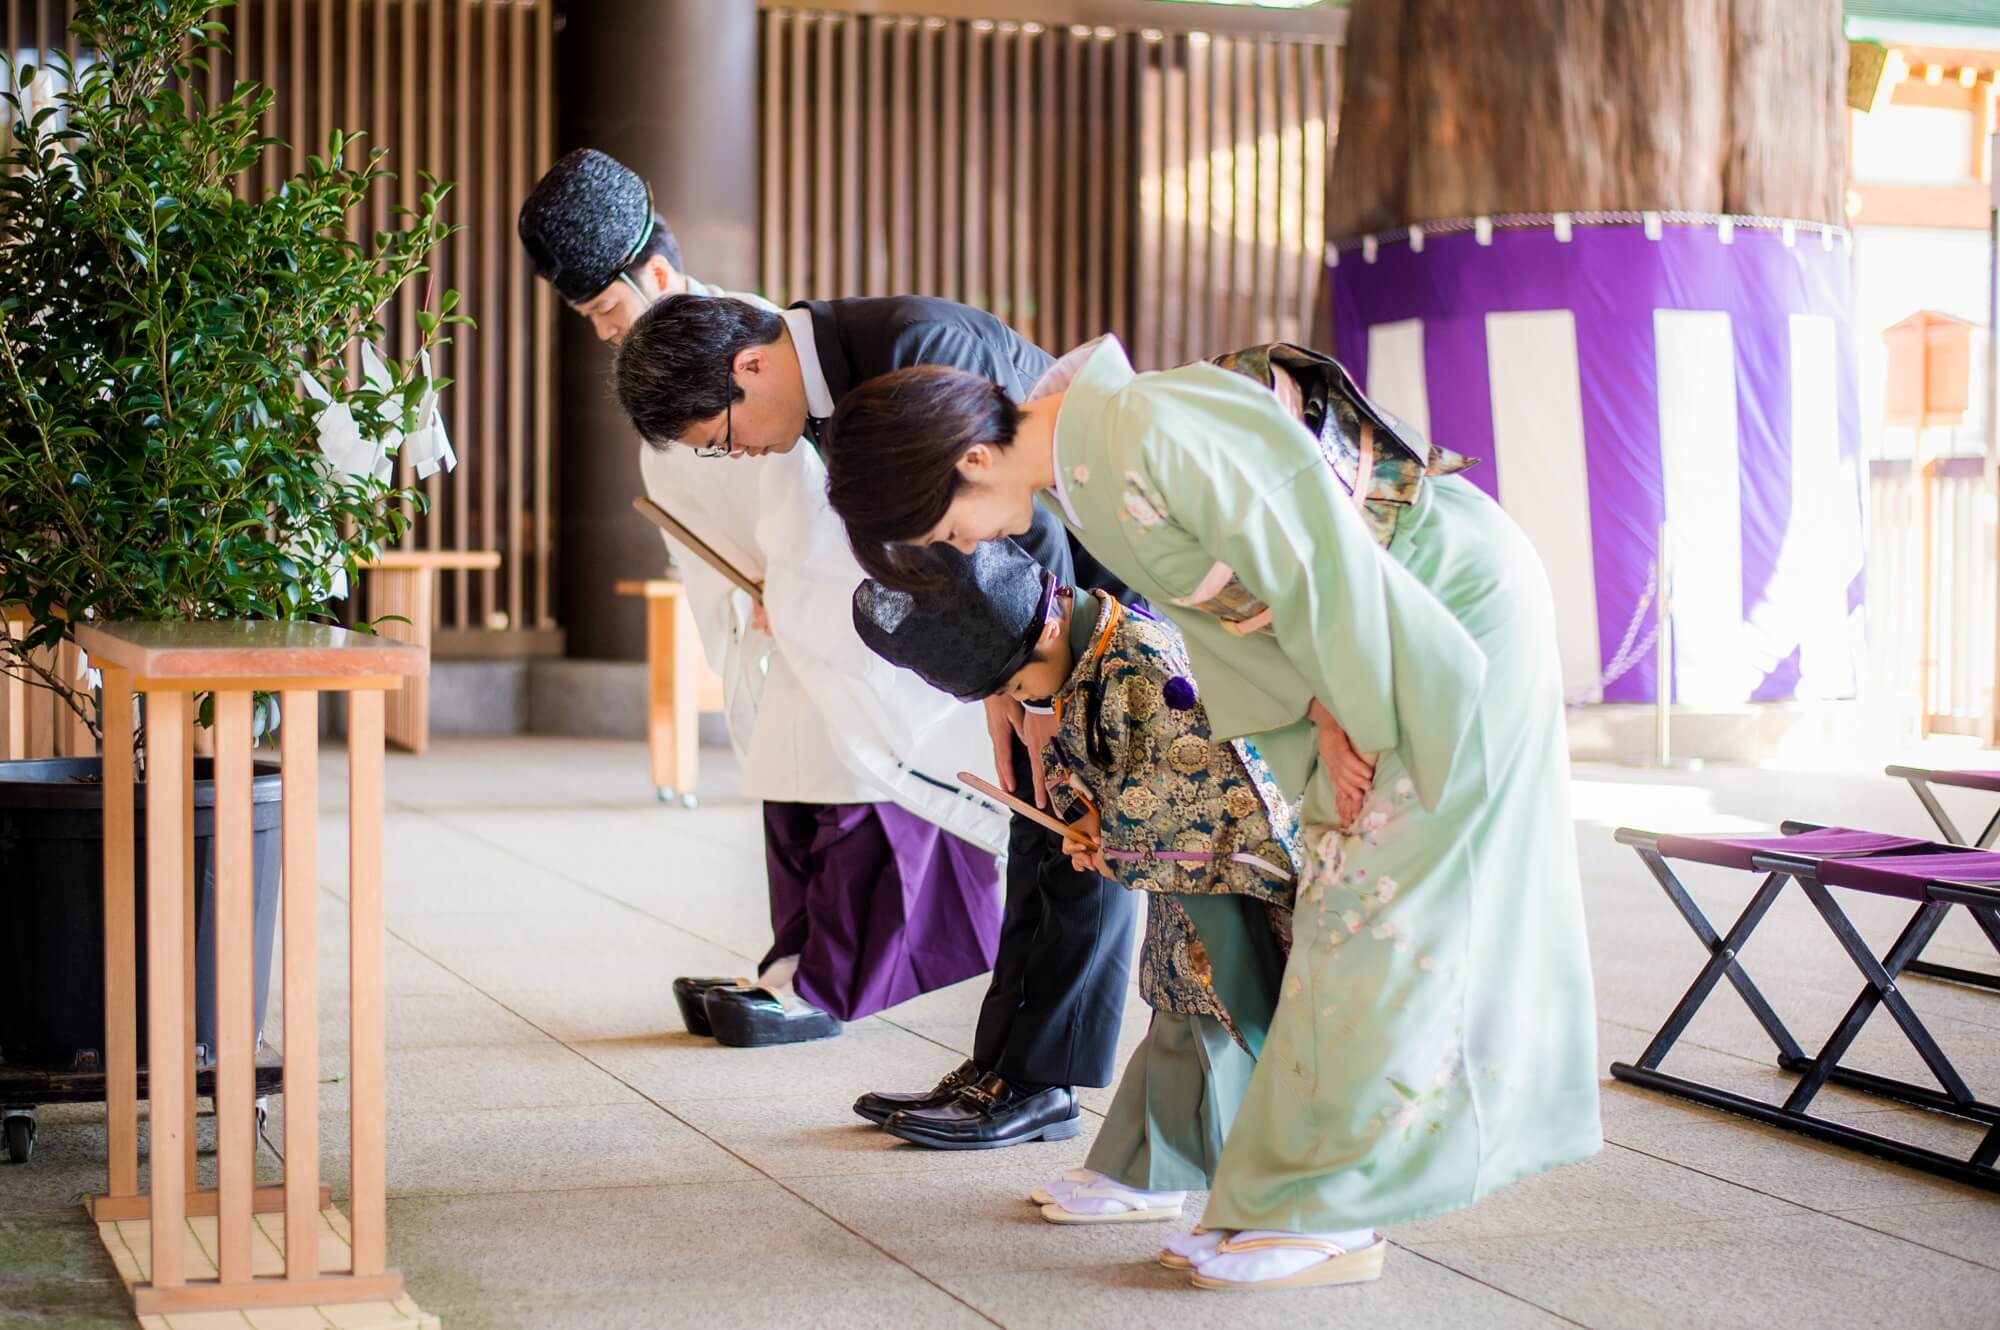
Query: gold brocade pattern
point(1135, 737)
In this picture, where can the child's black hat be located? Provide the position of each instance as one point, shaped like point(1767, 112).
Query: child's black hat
point(971, 634)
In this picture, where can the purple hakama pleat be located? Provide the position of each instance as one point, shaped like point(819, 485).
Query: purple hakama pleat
point(877, 904)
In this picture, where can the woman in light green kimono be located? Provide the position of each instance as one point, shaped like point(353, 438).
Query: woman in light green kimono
point(1435, 1037)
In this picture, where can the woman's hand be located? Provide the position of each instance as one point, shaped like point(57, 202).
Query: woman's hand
point(1083, 845)
point(1352, 773)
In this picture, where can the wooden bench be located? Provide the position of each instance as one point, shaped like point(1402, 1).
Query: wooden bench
point(237, 1263)
point(404, 583)
point(679, 687)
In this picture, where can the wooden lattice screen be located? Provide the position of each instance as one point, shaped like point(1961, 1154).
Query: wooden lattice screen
point(1164, 185)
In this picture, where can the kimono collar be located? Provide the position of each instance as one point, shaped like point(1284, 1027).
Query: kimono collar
point(1096, 638)
point(1089, 377)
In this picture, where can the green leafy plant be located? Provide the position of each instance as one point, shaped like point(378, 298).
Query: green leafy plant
point(159, 459)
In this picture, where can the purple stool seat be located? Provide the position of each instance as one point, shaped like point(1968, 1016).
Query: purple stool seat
point(1930, 879)
point(1905, 875)
point(1965, 780)
point(1824, 843)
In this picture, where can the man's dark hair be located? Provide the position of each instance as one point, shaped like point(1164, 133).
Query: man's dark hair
point(673, 364)
point(660, 244)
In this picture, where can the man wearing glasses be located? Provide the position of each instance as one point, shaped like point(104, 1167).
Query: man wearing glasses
point(883, 885)
point(726, 373)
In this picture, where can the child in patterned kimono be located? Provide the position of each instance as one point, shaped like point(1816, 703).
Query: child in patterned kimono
point(1198, 824)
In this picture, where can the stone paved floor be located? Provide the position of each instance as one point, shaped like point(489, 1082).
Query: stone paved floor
point(561, 1154)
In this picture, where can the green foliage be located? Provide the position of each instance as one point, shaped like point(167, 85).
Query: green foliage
point(158, 459)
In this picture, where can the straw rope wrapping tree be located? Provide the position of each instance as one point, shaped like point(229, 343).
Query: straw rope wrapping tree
point(159, 459)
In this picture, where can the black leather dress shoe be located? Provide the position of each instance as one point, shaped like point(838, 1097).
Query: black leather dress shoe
point(691, 996)
point(989, 1115)
point(748, 1017)
point(877, 1105)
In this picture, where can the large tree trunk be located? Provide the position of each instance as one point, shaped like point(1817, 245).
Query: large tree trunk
point(1453, 109)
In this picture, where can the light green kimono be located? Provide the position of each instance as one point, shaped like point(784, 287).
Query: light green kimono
point(1435, 1036)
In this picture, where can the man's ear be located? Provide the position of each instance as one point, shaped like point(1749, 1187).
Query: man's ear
point(666, 281)
point(750, 360)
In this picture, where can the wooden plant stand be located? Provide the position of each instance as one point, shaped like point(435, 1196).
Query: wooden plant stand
point(240, 1247)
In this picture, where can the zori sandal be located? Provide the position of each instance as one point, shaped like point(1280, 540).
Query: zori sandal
point(1340, 1266)
point(1121, 1206)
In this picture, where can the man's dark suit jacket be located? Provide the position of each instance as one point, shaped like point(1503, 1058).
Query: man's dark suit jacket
point(859, 339)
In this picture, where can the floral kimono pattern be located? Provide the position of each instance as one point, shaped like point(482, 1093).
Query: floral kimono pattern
point(1135, 745)
point(1435, 1037)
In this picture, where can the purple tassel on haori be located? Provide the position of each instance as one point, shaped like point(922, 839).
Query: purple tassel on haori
point(1179, 693)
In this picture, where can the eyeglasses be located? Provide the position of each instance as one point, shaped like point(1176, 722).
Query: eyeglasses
point(727, 446)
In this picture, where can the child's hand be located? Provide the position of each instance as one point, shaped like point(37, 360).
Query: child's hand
point(1352, 773)
point(1082, 844)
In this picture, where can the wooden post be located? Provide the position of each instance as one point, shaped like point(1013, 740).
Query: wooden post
point(168, 1047)
point(189, 941)
point(121, 997)
point(235, 986)
point(367, 1068)
point(299, 750)
point(1927, 567)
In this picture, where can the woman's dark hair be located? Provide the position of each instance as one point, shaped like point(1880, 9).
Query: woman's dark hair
point(892, 451)
point(659, 244)
point(673, 366)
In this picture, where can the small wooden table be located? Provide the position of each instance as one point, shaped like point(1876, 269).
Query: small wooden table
point(404, 583)
point(679, 687)
point(316, 1257)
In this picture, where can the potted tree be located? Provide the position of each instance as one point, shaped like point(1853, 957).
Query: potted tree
point(179, 440)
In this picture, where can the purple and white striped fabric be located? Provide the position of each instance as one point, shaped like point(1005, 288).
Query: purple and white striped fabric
point(1613, 380)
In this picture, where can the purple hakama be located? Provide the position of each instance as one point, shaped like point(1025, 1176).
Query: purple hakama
point(877, 904)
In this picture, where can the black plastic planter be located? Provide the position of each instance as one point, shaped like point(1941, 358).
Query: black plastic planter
point(52, 919)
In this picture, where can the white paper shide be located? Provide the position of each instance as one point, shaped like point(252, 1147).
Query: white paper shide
point(349, 452)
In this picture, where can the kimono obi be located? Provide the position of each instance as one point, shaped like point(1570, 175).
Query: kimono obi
point(1355, 435)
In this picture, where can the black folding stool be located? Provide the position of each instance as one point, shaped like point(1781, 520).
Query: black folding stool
point(1930, 875)
point(1921, 779)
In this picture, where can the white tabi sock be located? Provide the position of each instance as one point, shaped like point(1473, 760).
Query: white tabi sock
point(1259, 1267)
point(1102, 1196)
point(776, 979)
point(1197, 1246)
point(1062, 1184)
